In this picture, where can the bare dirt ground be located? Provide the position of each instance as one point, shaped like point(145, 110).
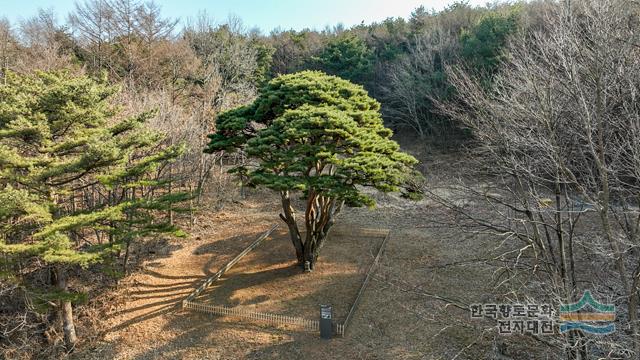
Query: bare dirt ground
point(406, 312)
point(268, 279)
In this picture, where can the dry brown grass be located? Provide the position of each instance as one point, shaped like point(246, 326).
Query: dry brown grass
point(394, 320)
point(269, 280)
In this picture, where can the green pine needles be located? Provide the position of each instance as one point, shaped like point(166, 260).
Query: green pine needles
point(349, 57)
point(322, 136)
point(78, 184)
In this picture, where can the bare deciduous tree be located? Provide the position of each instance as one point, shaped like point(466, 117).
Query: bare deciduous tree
point(228, 63)
point(92, 23)
point(560, 135)
point(46, 43)
point(151, 26)
point(415, 80)
point(8, 46)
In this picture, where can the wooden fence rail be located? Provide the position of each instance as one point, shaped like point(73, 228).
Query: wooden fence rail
point(229, 265)
point(355, 304)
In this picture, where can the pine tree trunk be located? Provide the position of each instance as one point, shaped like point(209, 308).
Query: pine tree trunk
point(170, 211)
point(319, 222)
point(311, 251)
point(319, 218)
point(66, 312)
point(313, 244)
point(125, 262)
point(289, 217)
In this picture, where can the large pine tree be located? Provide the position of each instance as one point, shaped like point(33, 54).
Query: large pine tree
point(320, 135)
point(60, 135)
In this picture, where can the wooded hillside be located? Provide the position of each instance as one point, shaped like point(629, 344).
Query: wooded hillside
point(118, 124)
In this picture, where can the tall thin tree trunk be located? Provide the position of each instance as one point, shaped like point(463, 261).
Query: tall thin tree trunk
point(66, 312)
point(125, 262)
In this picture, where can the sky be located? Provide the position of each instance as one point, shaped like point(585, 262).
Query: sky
point(263, 14)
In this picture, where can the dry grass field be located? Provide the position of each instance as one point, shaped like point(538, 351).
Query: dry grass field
point(404, 313)
point(410, 309)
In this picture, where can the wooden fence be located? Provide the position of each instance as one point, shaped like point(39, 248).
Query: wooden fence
point(275, 319)
point(229, 265)
point(356, 302)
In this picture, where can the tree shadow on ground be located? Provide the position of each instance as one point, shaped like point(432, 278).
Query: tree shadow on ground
point(221, 252)
point(202, 336)
point(225, 293)
point(270, 275)
point(163, 298)
point(208, 332)
point(162, 292)
point(197, 335)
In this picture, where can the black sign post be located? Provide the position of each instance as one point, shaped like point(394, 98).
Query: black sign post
point(326, 315)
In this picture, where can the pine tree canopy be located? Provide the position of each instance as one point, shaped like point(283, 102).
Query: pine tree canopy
point(349, 57)
point(59, 135)
point(315, 132)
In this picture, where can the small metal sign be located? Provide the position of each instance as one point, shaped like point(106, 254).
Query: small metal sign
point(326, 316)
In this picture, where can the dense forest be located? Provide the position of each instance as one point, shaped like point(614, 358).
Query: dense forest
point(205, 67)
point(104, 118)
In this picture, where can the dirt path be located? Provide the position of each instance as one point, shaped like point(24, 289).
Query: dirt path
point(398, 318)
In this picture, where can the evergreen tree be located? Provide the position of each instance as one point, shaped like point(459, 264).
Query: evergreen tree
point(348, 57)
point(59, 136)
point(483, 45)
point(322, 136)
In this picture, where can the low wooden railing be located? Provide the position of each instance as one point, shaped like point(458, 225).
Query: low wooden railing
point(229, 265)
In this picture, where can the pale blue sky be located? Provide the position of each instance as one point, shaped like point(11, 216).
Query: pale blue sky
point(264, 14)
